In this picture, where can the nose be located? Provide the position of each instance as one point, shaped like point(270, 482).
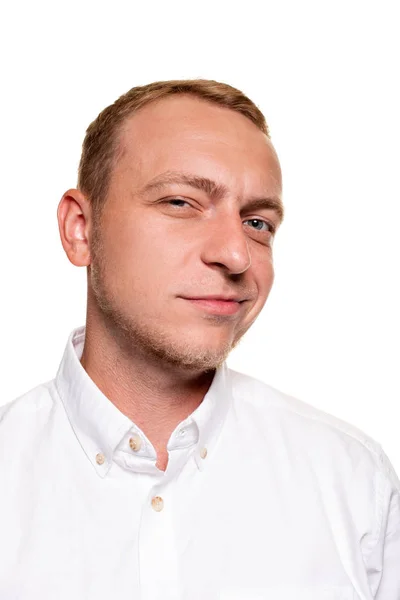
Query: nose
point(226, 244)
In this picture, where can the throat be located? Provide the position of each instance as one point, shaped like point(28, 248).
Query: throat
point(162, 460)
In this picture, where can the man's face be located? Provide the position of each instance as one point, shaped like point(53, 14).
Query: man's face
point(163, 242)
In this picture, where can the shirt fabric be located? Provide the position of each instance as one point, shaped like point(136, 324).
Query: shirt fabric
point(264, 497)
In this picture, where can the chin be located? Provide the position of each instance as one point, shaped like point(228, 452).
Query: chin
point(199, 357)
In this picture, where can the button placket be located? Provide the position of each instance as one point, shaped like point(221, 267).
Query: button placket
point(157, 546)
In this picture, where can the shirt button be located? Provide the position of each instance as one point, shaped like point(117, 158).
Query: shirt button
point(157, 503)
point(135, 443)
point(203, 452)
point(100, 458)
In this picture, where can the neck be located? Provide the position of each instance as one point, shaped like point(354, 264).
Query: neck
point(155, 396)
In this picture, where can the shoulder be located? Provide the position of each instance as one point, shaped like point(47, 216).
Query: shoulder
point(265, 398)
point(33, 400)
point(29, 412)
point(317, 432)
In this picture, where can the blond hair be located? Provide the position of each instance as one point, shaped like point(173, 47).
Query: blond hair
point(100, 146)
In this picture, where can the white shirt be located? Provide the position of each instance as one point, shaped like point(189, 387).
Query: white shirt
point(264, 497)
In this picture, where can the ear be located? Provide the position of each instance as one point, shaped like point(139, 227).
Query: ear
point(73, 216)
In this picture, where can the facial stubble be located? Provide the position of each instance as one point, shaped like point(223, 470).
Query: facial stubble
point(154, 341)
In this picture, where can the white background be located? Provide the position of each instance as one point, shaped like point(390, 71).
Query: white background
point(326, 75)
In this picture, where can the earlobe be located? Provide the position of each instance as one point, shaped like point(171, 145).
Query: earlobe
point(73, 223)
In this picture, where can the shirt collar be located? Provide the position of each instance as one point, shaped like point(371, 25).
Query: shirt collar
point(101, 427)
point(97, 423)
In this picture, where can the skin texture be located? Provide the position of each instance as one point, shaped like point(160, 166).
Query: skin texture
point(150, 351)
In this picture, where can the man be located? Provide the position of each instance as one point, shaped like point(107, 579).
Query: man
point(147, 469)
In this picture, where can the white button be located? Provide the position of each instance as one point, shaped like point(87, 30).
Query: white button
point(157, 503)
point(135, 442)
point(182, 432)
point(203, 453)
point(100, 458)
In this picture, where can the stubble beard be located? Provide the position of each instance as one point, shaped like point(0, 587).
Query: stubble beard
point(153, 342)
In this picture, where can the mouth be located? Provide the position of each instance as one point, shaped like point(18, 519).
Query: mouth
point(216, 306)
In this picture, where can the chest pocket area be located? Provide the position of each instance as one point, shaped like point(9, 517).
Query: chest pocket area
point(290, 593)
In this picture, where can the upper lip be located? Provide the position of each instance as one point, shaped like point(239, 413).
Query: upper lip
point(217, 297)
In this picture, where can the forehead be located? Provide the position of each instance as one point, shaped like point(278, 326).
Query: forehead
point(187, 133)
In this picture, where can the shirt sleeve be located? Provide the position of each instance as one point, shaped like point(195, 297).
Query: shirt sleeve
point(383, 565)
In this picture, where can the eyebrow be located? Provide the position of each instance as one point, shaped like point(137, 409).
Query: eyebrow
point(214, 190)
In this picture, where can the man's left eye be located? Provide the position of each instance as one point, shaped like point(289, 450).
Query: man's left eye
point(257, 224)
point(177, 202)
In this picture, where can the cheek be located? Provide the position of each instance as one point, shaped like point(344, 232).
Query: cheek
point(263, 270)
point(137, 259)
